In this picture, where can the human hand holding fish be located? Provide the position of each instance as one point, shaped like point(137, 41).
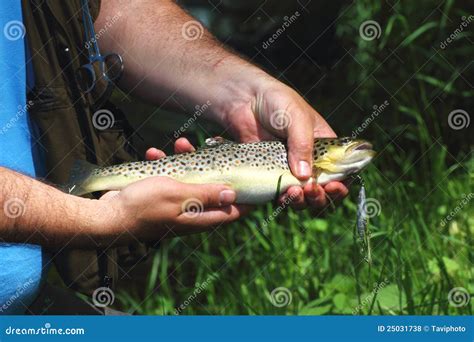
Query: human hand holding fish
point(171, 195)
point(270, 110)
point(183, 193)
point(246, 101)
point(162, 207)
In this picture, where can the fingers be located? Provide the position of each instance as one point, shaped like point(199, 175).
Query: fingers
point(154, 154)
point(294, 197)
point(300, 145)
point(313, 195)
point(213, 218)
point(316, 196)
point(183, 145)
point(207, 195)
point(336, 190)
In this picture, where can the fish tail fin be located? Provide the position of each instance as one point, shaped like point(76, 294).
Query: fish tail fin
point(79, 177)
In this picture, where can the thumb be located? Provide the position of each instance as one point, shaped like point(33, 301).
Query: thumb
point(300, 145)
point(202, 196)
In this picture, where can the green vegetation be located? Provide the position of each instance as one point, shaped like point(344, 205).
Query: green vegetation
point(422, 238)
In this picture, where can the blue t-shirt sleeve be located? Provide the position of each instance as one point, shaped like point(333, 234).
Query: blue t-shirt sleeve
point(22, 266)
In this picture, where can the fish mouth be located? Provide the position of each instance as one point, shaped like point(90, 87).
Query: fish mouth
point(359, 150)
point(360, 145)
point(342, 161)
point(357, 156)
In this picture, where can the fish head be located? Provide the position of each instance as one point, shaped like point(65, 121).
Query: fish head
point(341, 156)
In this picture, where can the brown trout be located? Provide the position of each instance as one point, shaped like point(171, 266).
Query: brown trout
point(257, 171)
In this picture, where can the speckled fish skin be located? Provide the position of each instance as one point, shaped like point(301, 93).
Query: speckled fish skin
point(256, 171)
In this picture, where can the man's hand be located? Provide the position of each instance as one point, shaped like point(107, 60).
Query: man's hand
point(160, 207)
point(278, 111)
point(147, 210)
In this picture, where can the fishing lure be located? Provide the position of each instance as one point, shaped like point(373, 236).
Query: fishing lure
point(362, 220)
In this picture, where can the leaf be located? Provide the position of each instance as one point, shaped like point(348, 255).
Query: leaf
point(433, 267)
point(317, 225)
point(389, 27)
point(451, 266)
point(390, 298)
point(418, 32)
point(340, 301)
point(341, 283)
point(316, 302)
point(442, 210)
point(321, 310)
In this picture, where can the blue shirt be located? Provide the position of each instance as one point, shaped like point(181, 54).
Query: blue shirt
point(21, 265)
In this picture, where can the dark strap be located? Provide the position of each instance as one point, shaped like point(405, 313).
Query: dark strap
point(54, 300)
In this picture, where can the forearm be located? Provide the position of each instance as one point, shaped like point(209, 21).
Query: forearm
point(160, 62)
point(34, 212)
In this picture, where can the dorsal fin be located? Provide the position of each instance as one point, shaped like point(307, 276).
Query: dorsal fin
point(216, 141)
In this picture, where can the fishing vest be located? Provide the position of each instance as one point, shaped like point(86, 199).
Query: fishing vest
point(63, 115)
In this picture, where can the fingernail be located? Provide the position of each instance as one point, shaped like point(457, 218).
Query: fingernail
point(226, 197)
point(303, 169)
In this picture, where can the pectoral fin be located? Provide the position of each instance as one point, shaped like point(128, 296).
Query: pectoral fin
point(316, 173)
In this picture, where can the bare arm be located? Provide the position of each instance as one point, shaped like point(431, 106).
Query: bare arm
point(37, 213)
point(167, 52)
point(147, 210)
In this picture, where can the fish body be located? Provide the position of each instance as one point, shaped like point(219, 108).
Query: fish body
point(257, 171)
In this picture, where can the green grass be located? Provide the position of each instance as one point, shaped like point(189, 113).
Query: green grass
point(318, 261)
point(420, 175)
